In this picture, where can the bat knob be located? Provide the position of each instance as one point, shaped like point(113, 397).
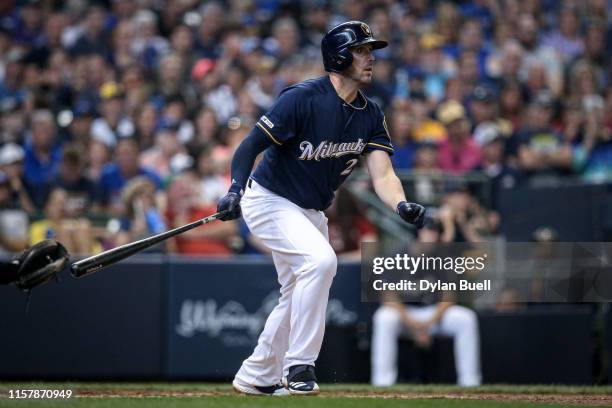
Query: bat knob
point(77, 270)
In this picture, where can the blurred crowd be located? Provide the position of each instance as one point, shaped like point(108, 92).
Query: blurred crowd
point(118, 119)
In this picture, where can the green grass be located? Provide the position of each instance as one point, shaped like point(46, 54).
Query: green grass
point(255, 402)
point(226, 387)
point(353, 396)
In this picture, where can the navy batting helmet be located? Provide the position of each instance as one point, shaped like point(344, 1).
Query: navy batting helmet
point(336, 44)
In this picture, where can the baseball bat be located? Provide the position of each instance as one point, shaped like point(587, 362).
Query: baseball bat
point(94, 263)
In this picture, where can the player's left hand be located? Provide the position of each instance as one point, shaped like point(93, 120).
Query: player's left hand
point(230, 203)
point(412, 213)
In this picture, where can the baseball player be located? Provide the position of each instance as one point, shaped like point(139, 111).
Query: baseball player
point(313, 137)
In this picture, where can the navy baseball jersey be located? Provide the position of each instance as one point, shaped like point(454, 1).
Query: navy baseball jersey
point(317, 140)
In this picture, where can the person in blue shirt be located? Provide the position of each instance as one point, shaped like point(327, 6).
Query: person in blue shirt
point(115, 175)
point(313, 137)
point(42, 158)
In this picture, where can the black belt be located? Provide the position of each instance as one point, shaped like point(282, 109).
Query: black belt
point(250, 183)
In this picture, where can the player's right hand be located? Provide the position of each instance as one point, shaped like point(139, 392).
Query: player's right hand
point(230, 203)
point(412, 213)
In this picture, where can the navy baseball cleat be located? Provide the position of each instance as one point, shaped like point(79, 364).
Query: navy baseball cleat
point(301, 380)
point(277, 390)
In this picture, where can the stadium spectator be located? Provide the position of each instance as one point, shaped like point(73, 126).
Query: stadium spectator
point(113, 124)
point(541, 151)
point(78, 130)
point(425, 129)
point(207, 128)
point(175, 110)
point(459, 153)
point(12, 121)
point(426, 159)
point(538, 55)
point(584, 86)
point(74, 233)
point(592, 158)
point(285, 39)
point(12, 86)
point(208, 34)
point(146, 123)
point(471, 40)
point(185, 206)
point(263, 86)
point(181, 43)
point(137, 90)
point(468, 71)
point(167, 156)
point(116, 174)
point(98, 155)
point(407, 64)
point(211, 177)
point(594, 52)
point(402, 122)
point(483, 108)
point(13, 221)
point(492, 144)
point(437, 66)
point(80, 191)
point(142, 216)
point(123, 36)
point(94, 38)
point(447, 22)
point(42, 156)
point(11, 164)
point(511, 101)
point(463, 218)
point(502, 35)
point(147, 44)
point(170, 82)
point(566, 40)
point(510, 61)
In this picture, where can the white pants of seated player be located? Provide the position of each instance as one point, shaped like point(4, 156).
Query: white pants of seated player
point(306, 265)
point(458, 322)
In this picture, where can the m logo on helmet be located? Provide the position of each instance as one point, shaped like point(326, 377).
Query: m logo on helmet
point(366, 29)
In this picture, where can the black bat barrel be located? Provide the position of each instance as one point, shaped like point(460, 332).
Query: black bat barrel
point(94, 263)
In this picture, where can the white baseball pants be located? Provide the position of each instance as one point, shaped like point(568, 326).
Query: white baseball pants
point(306, 265)
point(458, 322)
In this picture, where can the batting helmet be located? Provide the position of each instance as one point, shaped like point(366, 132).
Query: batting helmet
point(336, 44)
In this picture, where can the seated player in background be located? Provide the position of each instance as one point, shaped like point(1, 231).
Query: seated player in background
point(433, 314)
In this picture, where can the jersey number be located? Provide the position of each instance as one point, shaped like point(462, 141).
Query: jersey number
point(349, 167)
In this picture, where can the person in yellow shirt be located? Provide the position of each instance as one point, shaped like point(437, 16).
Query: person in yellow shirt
point(74, 233)
point(426, 129)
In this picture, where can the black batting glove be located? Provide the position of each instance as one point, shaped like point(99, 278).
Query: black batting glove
point(231, 203)
point(412, 213)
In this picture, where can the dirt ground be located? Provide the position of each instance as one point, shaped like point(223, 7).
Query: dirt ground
point(603, 400)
